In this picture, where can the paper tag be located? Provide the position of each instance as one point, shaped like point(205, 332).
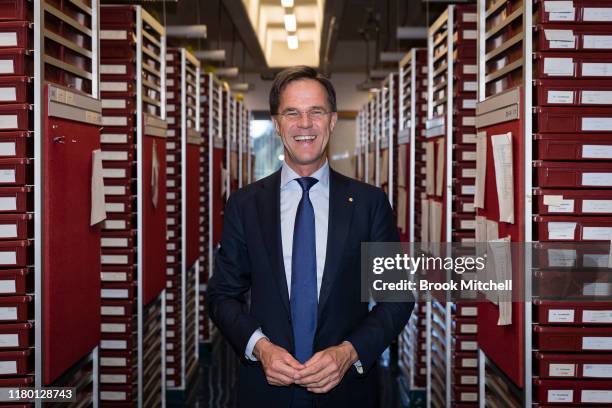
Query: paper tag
point(560, 97)
point(562, 16)
point(597, 14)
point(597, 289)
point(469, 104)
point(8, 122)
point(8, 313)
point(470, 34)
point(560, 396)
point(7, 67)
point(8, 230)
point(561, 315)
point(556, 204)
point(113, 69)
point(469, 156)
point(596, 396)
point(596, 97)
point(7, 149)
point(8, 367)
point(114, 276)
point(113, 378)
point(597, 151)
point(113, 35)
point(596, 69)
point(597, 206)
point(471, 86)
point(8, 286)
point(469, 328)
point(597, 233)
point(469, 362)
point(560, 38)
point(597, 370)
point(597, 343)
point(469, 346)
point(597, 179)
point(598, 42)
point(8, 257)
point(113, 104)
point(558, 6)
point(112, 310)
point(115, 293)
point(561, 230)
point(559, 66)
point(113, 395)
point(8, 94)
point(113, 138)
point(562, 370)
point(9, 340)
point(597, 316)
point(8, 39)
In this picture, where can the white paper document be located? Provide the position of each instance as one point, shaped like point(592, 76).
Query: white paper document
point(557, 204)
point(504, 179)
point(440, 167)
point(430, 167)
point(559, 66)
point(481, 169)
point(561, 230)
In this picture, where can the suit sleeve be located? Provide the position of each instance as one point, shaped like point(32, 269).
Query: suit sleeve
point(386, 319)
point(231, 281)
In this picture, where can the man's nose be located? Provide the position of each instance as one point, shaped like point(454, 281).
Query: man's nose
point(305, 121)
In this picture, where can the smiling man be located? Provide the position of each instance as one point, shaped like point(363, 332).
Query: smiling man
point(293, 240)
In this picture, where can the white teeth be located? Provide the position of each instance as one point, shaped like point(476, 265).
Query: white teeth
point(302, 138)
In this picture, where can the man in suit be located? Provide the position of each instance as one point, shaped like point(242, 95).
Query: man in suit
point(293, 240)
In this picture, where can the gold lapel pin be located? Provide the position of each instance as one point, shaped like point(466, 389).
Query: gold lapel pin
point(350, 199)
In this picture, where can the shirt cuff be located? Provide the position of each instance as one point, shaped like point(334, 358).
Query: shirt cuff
point(255, 337)
point(357, 364)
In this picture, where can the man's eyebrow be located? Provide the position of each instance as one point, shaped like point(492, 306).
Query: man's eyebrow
point(309, 108)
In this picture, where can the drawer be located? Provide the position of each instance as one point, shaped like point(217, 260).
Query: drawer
point(118, 188)
point(15, 253)
point(573, 392)
point(465, 394)
point(465, 155)
point(16, 281)
point(466, 309)
point(16, 34)
point(573, 174)
point(570, 338)
point(16, 335)
point(16, 89)
point(123, 137)
point(15, 117)
point(563, 284)
point(564, 228)
point(552, 146)
point(577, 37)
point(111, 86)
point(586, 65)
point(465, 325)
point(15, 10)
point(114, 104)
point(118, 342)
point(558, 92)
point(578, 11)
point(121, 240)
point(572, 313)
point(573, 120)
point(117, 153)
point(464, 221)
point(16, 362)
point(16, 308)
point(464, 205)
point(16, 226)
point(15, 172)
point(573, 202)
point(464, 15)
point(117, 120)
point(16, 61)
point(122, 16)
point(587, 366)
point(15, 144)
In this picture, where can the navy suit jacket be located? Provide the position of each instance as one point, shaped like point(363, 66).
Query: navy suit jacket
point(250, 259)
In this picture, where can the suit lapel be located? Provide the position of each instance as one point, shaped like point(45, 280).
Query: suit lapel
point(268, 208)
point(340, 214)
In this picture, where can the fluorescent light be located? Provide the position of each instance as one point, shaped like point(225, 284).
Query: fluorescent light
point(290, 23)
point(287, 3)
point(292, 42)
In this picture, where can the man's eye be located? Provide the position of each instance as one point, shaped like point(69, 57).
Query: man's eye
point(291, 114)
point(316, 112)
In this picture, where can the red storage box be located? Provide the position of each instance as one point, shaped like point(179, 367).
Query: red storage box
point(555, 92)
point(118, 291)
point(568, 313)
point(15, 10)
point(16, 308)
point(17, 335)
point(573, 392)
point(573, 120)
point(579, 11)
point(117, 274)
point(16, 34)
point(573, 146)
point(582, 65)
point(573, 202)
point(15, 172)
point(15, 253)
point(15, 116)
point(573, 174)
point(15, 144)
point(16, 362)
point(16, 226)
point(15, 89)
point(15, 281)
point(579, 339)
point(555, 228)
point(118, 256)
point(564, 284)
point(117, 308)
point(15, 61)
point(553, 365)
point(578, 37)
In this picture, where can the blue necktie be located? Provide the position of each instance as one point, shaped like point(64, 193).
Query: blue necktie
point(304, 275)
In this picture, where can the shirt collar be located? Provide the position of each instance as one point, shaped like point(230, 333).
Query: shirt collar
point(288, 175)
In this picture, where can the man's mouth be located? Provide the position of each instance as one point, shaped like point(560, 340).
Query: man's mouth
point(304, 138)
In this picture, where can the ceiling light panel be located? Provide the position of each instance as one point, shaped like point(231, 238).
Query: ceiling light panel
point(290, 23)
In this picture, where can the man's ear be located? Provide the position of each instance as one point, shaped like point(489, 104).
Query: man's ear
point(276, 125)
point(332, 122)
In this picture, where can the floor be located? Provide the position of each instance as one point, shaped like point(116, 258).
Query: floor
point(216, 382)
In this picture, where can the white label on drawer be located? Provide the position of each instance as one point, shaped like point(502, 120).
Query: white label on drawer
point(596, 97)
point(597, 151)
point(468, 156)
point(469, 380)
point(561, 230)
point(468, 190)
point(558, 6)
point(115, 207)
point(114, 173)
point(115, 155)
point(7, 67)
point(112, 310)
point(562, 257)
point(597, 316)
point(113, 395)
point(8, 121)
point(114, 259)
point(8, 39)
point(468, 207)
point(113, 86)
point(596, 396)
point(113, 35)
point(7, 176)
point(114, 121)
point(113, 138)
point(470, 34)
point(559, 66)
point(560, 396)
point(470, 86)
point(597, 343)
point(114, 242)
point(113, 327)
point(115, 293)
point(469, 104)
point(113, 344)
point(8, 94)
point(114, 190)
point(469, 121)
point(468, 224)
point(562, 370)
point(113, 104)
point(469, 17)
point(561, 315)
point(9, 340)
point(597, 14)
point(469, 311)
point(113, 69)
point(468, 397)
point(170, 120)
point(8, 257)
point(597, 370)
point(555, 44)
point(562, 16)
point(8, 286)
point(114, 276)
point(7, 149)
point(597, 179)
point(560, 97)
point(557, 204)
point(599, 42)
point(8, 231)
point(560, 38)
point(469, 328)
point(469, 346)
point(596, 69)
point(597, 289)
point(115, 224)
point(470, 69)
point(597, 206)
point(8, 367)
point(469, 362)
point(113, 378)
point(597, 233)
point(8, 313)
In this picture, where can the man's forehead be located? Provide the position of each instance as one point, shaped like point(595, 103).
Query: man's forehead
point(304, 90)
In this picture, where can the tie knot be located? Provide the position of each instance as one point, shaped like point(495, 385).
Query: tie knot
point(307, 182)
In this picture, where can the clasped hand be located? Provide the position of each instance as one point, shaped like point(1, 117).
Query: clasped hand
point(322, 372)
